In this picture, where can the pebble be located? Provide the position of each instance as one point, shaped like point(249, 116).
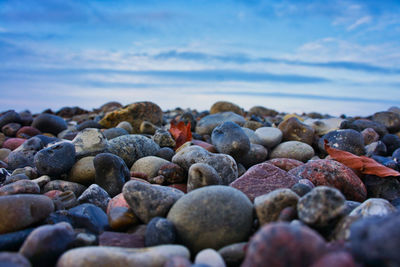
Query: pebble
point(111, 133)
point(147, 127)
point(262, 179)
point(65, 200)
point(253, 137)
point(56, 159)
point(27, 132)
point(262, 111)
point(301, 189)
point(12, 259)
point(293, 150)
point(159, 231)
point(127, 126)
point(89, 142)
point(375, 148)
point(149, 201)
point(172, 173)
point(209, 257)
point(125, 240)
point(93, 217)
point(24, 155)
point(392, 142)
point(20, 211)
point(373, 207)
point(370, 136)
point(233, 254)
point(49, 123)
point(111, 173)
point(121, 218)
point(163, 138)
point(389, 119)
point(253, 125)
point(88, 124)
point(200, 175)
point(362, 124)
point(96, 195)
point(63, 186)
point(269, 206)
point(255, 155)
point(9, 117)
point(13, 241)
point(229, 217)
point(224, 106)
point(83, 171)
point(13, 143)
point(324, 126)
point(11, 129)
point(165, 153)
point(149, 165)
point(294, 130)
point(336, 259)
point(285, 164)
point(4, 152)
point(20, 187)
point(28, 171)
point(269, 136)
point(332, 173)
point(207, 124)
point(348, 140)
point(110, 106)
point(387, 188)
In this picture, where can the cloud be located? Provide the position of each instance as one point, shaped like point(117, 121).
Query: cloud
point(359, 22)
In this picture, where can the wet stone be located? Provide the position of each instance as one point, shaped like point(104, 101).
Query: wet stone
point(48, 123)
point(159, 231)
point(201, 175)
point(96, 195)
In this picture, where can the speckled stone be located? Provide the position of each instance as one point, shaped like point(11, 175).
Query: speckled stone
point(24, 155)
point(125, 125)
point(64, 186)
point(200, 175)
point(293, 150)
point(370, 136)
point(56, 159)
point(324, 126)
point(270, 136)
point(163, 138)
point(207, 124)
point(348, 140)
point(294, 130)
point(96, 195)
point(49, 123)
point(173, 173)
point(373, 207)
point(285, 163)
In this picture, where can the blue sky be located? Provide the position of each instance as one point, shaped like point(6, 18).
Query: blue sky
point(333, 57)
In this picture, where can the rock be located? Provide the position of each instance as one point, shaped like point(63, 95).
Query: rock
point(64, 200)
point(234, 254)
point(96, 195)
point(28, 171)
point(200, 175)
point(111, 133)
point(120, 215)
point(9, 117)
point(262, 179)
point(149, 165)
point(335, 259)
point(362, 124)
point(46, 243)
point(269, 206)
point(13, 143)
point(94, 218)
point(27, 132)
point(24, 155)
point(375, 148)
point(20, 187)
point(321, 206)
point(253, 125)
point(11, 129)
point(111, 173)
point(147, 127)
point(207, 146)
point(254, 139)
point(255, 155)
point(68, 112)
point(335, 174)
point(83, 171)
point(20, 211)
point(369, 136)
point(126, 126)
point(229, 217)
point(9, 259)
point(13, 241)
point(373, 207)
point(56, 159)
point(115, 256)
point(294, 130)
point(88, 124)
point(48, 123)
point(285, 163)
point(135, 114)
point(160, 231)
point(132, 147)
point(149, 201)
point(282, 244)
point(294, 150)
point(4, 152)
point(392, 142)
point(177, 261)
point(89, 142)
point(124, 240)
point(207, 124)
point(301, 189)
point(209, 257)
point(224, 106)
point(163, 138)
point(225, 165)
point(110, 106)
point(348, 140)
point(64, 186)
point(389, 119)
point(269, 136)
point(324, 126)
point(388, 188)
point(173, 173)
point(14, 178)
point(165, 153)
point(262, 112)
point(42, 181)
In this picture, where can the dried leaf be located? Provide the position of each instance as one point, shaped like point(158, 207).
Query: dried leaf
point(180, 132)
point(360, 163)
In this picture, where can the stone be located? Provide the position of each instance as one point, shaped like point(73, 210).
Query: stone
point(11, 129)
point(42, 181)
point(224, 164)
point(387, 188)
point(9, 117)
point(373, 207)
point(149, 165)
point(255, 155)
point(96, 195)
point(294, 130)
point(207, 124)
point(262, 111)
point(125, 240)
point(177, 261)
point(224, 106)
point(20, 187)
point(269, 206)
point(173, 173)
point(270, 136)
point(115, 256)
point(10, 259)
point(55, 159)
point(14, 178)
point(121, 218)
point(370, 136)
point(254, 139)
point(392, 142)
point(348, 140)
point(88, 124)
point(285, 164)
point(209, 257)
point(147, 127)
point(26, 117)
point(301, 189)
point(336, 259)
point(13, 241)
point(233, 254)
point(46, 243)
point(207, 146)
point(13, 143)
point(20, 211)
point(64, 200)
point(24, 155)
point(283, 244)
point(94, 218)
point(253, 125)
point(229, 217)
point(324, 126)
point(262, 179)
point(163, 138)
point(321, 206)
point(149, 201)
point(111, 133)
point(111, 173)
point(335, 174)
point(27, 132)
point(126, 126)
point(200, 175)
point(135, 114)
point(62, 185)
point(4, 152)
point(68, 112)
point(110, 106)
point(132, 147)
point(83, 171)
point(376, 148)
point(293, 150)
point(362, 124)
point(165, 153)
point(89, 142)
point(389, 119)
point(49, 123)
point(28, 171)
point(160, 231)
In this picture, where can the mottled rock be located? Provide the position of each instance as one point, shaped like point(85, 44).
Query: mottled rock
point(125, 125)
point(83, 171)
point(163, 138)
point(373, 207)
point(387, 188)
point(224, 106)
point(324, 126)
point(207, 124)
point(149, 165)
point(348, 140)
point(89, 142)
point(301, 188)
point(285, 163)
point(24, 155)
point(20, 187)
point(56, 159)
point(262, 111)
point(200, 175)
point(64, 186)
point(392, 142)
point(96, 195)
point(293, 150)
point(294, 130)
point(147, 127)
point(269, 136)
point(125, 240)
point(209, 257)
point(160, 231)
point(49, 123)
point(389, 119)
point(64, 200)
point(120, 218)
point(27, 132)
point(173, 173)
point(10, 259)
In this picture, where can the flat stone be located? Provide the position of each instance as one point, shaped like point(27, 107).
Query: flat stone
point(207, 124)
point(293, 150)
point(89, 142)
point(224, 106)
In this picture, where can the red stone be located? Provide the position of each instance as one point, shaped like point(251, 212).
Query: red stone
point(207, 146)
point(182, 187)
point(13, 143)
point(27, 131)
point(335, 174)
point(262, 179)
point(285, 164)
point(117, 201)
point(53, 193)
point(115, 239)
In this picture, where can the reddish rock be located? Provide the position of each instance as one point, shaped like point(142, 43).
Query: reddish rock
point(262, 179)
point(117, 201)
point(13, 143)
point(173, 173)
point(140, 175)
point(27, 132)
point(114, 239)
point(120, 215)
point(336, 259)
point(53, 193)
point(20, 187)
point(285, 164)
point(207, 146)
point(335, 174)
point(282, 244)
point(182, 187)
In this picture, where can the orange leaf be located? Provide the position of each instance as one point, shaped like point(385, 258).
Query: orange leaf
point(363, 164)
point(181, 133)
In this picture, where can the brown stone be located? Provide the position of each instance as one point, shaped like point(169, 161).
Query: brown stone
point(222, 106)
point(13, 143)
point(294, 130)
point(262, 112)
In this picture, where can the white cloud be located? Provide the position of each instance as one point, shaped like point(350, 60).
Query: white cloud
point(359, 22)
point(3, 29)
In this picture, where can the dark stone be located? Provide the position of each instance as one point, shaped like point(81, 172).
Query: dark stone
point(13, 241)
point(376, 148)
point(65, 200)
point(173, 173)
point(111, 133)
point(125, 240)
point(255, 155)
point(68, 112)
point(46, 140)
point(159, 231)
point(188, 117)
point(233, 254)
point(95, 195)
point(301, 189)
point(392, 142)
point(348, 140)
point(26, 117)
point(396, 155)
point(88, 124)
point(9, 259)
point(377, 187)
point(387, 162)
point(8, 117)
point(389, 119)
point(96, 216)
point(165, 153)
point(48, 123)
point(64, 186)
point(336, 259)
point(14, 178)
point(362, 124)
point(11, 129)
point(56, 159)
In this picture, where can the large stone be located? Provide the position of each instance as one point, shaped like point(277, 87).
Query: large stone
point(89, 142)
point(294, 130)
point(293, 150)
point(149, 165)
point(348, 140)
point(207, 124)
point(212, 217)
point(56, 159)
point(389, 119)
point(49, 123)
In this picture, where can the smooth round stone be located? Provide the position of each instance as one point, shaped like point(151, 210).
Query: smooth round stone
point(160, 231)
point(262, 111)
point(20, 211)
point(126, 126)
point(83, 171)
point(13, 241)
point(10, 259)
point(335, 174)
point(293, 150)
point(253, 137)
point(163, 138)
point(48, 123)
point(27, 132)
point(11, 129)
point(173, 173)
point(56, 159)
point(88, 124)
point(114, 132)
point(116, 256)
point(392, 142)
point(269, 206)
point(120, 215)
point(370, 136)
point(229, 217)
point(294, 130)
point(24, 155)
point(89, 142)
point(255, 155)
point(233, 254)
point(20, 187)
point(207, 124)
point(321, 206)
point(132, 147)
point(165, 153)
point(13, 143)
point(285, 163)
point(348, 140)
point(63, 186)
point(46, 243)
point(93, 217)
point(96, 195)
point(373, 207)
point(149, 201)
point(210, 258)
point(200, 175)
point(224, 164)
point(9, 117)
point(224, 106)
point(389, 119)
point(269, 136)
point(283, 244)
point(111, 172)
point(149, 165)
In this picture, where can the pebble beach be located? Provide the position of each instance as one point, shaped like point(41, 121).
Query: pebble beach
point(138, 186)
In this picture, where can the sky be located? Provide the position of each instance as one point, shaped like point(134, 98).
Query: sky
point(335, 57)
